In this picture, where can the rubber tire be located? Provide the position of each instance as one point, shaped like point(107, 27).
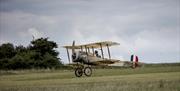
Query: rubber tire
point(87, 71)
point(78, 72)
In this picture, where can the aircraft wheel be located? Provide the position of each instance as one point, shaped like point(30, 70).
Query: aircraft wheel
point(87, 71)
point(78, 72)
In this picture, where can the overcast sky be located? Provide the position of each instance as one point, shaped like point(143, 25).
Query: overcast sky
point(147, 28)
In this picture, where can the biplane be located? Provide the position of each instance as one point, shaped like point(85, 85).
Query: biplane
point(87, 55)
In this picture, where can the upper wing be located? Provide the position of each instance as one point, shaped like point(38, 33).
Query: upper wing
point(93, 45)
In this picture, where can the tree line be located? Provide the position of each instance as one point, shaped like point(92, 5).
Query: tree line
point(40, 53)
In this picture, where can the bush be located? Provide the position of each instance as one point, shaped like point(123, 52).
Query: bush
point(39, 54)
point(4, 63)
point(18, 62)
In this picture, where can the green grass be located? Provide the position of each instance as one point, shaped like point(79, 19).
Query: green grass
point(156, 78)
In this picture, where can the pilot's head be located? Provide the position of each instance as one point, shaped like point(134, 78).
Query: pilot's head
point(96, 52)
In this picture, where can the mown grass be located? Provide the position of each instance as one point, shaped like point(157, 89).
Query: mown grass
point(158, 78)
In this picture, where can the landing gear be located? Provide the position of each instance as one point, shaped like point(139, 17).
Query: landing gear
point(87, 71)
point(79, 71)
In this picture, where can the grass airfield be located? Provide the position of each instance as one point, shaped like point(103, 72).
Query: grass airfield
point(147, 78)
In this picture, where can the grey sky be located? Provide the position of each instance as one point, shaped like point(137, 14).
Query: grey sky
point(147, 28)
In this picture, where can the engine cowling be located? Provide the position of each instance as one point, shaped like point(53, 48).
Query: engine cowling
point(80, 57)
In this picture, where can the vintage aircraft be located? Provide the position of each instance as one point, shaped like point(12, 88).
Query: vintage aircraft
point(85, 56)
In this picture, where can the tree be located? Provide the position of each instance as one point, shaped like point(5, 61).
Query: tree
point(50, 61)
point(42, 45)
point(40, 53)
point(7, 51)
point(20, 49)
point(45, 55)
point(4, 63)
point(18, 62)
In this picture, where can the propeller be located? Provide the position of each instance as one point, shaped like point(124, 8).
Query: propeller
point(73, 47)
point(73, 50)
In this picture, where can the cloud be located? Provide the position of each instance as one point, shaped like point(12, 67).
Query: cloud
point(35, 33)
point(149, 29)
point(162, 40)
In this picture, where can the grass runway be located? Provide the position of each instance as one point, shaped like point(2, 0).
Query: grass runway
point(159, 78)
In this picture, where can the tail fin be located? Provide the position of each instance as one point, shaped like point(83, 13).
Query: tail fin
point(134, 59)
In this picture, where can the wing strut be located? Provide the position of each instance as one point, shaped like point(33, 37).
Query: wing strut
point(86, 49)
point(81, 48)
point(102, 51)
point(108, 51)
point(68, 55)
point(93, 50)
